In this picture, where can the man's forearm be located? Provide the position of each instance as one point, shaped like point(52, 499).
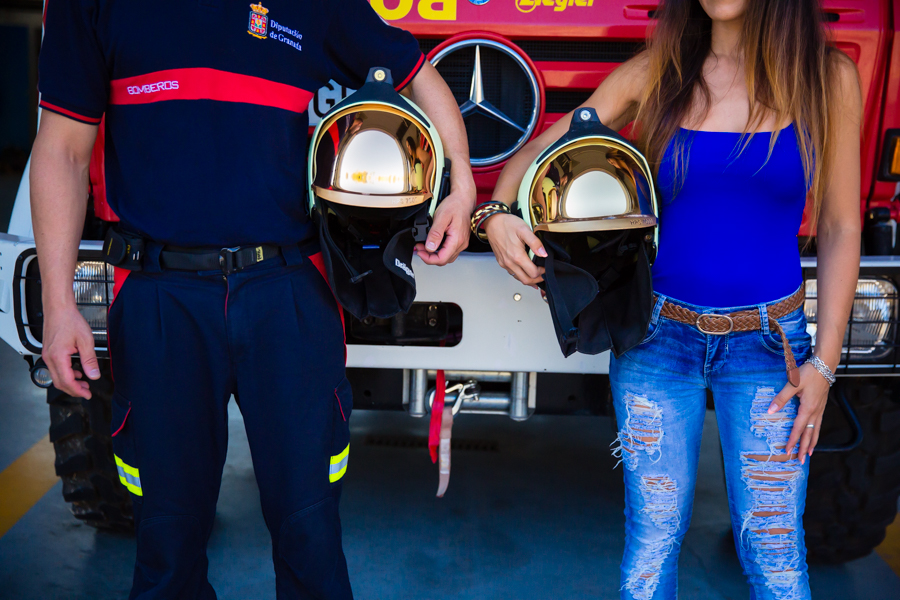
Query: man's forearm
point(59, 189)
point(431, 93)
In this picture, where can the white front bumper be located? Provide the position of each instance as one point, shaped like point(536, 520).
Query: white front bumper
point(499, 333)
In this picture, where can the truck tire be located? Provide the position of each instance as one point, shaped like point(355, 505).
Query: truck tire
point(852, 496)
point(80, 432)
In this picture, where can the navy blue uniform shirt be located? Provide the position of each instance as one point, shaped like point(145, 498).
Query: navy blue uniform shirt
point(205, 104)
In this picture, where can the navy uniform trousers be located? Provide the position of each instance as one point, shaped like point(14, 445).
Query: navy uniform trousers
point(181, 344)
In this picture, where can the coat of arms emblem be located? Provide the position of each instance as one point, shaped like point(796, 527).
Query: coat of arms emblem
point(259, 21)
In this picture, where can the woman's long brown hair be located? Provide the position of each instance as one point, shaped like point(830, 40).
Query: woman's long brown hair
point(789, 72)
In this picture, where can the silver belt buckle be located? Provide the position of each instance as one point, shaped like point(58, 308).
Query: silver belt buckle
point(713, 316)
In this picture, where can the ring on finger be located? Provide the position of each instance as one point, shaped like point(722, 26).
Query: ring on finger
point(810, 425)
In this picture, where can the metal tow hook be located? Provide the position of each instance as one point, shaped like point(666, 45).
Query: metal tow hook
point(464, 391)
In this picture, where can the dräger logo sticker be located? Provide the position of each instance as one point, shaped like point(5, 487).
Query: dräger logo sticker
point(262, 26)
point(149, 88)
point(526, 6)
point(402, 266)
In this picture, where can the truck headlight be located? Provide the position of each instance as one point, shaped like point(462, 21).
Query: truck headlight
point(93, 293)
point(870, 333)
point(93, 287)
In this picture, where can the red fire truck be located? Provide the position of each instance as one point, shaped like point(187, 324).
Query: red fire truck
point(515, 67)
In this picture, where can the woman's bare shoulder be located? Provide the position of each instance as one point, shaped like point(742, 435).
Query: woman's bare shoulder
point(618, 95)
point(844, 83)
point(631, 77)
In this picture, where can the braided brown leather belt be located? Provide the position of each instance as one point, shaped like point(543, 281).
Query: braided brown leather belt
point(742, 320)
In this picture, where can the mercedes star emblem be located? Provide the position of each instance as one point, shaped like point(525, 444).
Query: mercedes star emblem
point(507, 112)
point(477, 102)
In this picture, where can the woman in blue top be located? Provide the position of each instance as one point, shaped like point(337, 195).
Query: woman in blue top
point(745, 112)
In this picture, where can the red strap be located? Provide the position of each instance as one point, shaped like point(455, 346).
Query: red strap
point(437, 413)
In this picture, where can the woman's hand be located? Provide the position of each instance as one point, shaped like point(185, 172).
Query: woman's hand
point(509, 235)
point(813, 394)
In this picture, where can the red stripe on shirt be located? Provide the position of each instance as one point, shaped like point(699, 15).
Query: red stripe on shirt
point(412, 73)
point(69, 113)
point(207, 84)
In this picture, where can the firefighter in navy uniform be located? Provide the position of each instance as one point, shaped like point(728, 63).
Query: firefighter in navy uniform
point(206, 133)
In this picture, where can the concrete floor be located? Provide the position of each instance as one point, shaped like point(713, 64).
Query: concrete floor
point(538, 517)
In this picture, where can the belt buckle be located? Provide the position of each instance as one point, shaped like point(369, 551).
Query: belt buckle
point(715, 316)
point(226, 260)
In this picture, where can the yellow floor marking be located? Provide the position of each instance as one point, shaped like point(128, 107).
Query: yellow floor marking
point(25, 482)
point(889, 549)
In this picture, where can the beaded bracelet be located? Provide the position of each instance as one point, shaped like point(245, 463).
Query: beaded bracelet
point(482, 213)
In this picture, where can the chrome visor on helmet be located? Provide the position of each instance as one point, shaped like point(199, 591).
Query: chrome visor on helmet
point(382, 159)
point(591, 180)
point(376, 173)
point(376, 150)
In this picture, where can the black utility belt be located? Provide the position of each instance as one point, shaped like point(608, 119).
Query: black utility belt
point(127, 251)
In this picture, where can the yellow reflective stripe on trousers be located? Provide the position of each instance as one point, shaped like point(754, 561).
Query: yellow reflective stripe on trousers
point(339, 465)
point(129, 476)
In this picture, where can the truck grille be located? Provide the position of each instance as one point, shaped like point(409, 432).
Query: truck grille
point(563, 101)
point(579, 50)
point(429, 44)
point(505, 85)
point(486, 137)
point(564, 50)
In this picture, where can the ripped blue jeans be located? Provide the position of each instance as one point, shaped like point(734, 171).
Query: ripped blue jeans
point(659, 390)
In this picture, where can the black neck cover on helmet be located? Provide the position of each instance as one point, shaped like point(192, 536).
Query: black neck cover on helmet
point(368, 257)
point(598, 288)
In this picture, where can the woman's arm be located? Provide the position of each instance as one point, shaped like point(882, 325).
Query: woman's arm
point(615, 101)
point(838, 240)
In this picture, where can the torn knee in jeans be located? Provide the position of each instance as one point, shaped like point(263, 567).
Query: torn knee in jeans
point(770, 525)
point(661, 502)
point(641, 432)
point(661, 505)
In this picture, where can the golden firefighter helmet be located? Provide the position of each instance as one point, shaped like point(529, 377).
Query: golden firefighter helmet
point(591, 180)
point(376, 172)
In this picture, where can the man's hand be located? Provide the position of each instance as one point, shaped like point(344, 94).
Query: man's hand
point(67, 333)
point(449, 234)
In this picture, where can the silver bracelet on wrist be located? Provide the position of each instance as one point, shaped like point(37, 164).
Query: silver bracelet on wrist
point(820, 366)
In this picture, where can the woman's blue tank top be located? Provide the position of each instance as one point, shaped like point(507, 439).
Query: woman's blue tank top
point(728, 237)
